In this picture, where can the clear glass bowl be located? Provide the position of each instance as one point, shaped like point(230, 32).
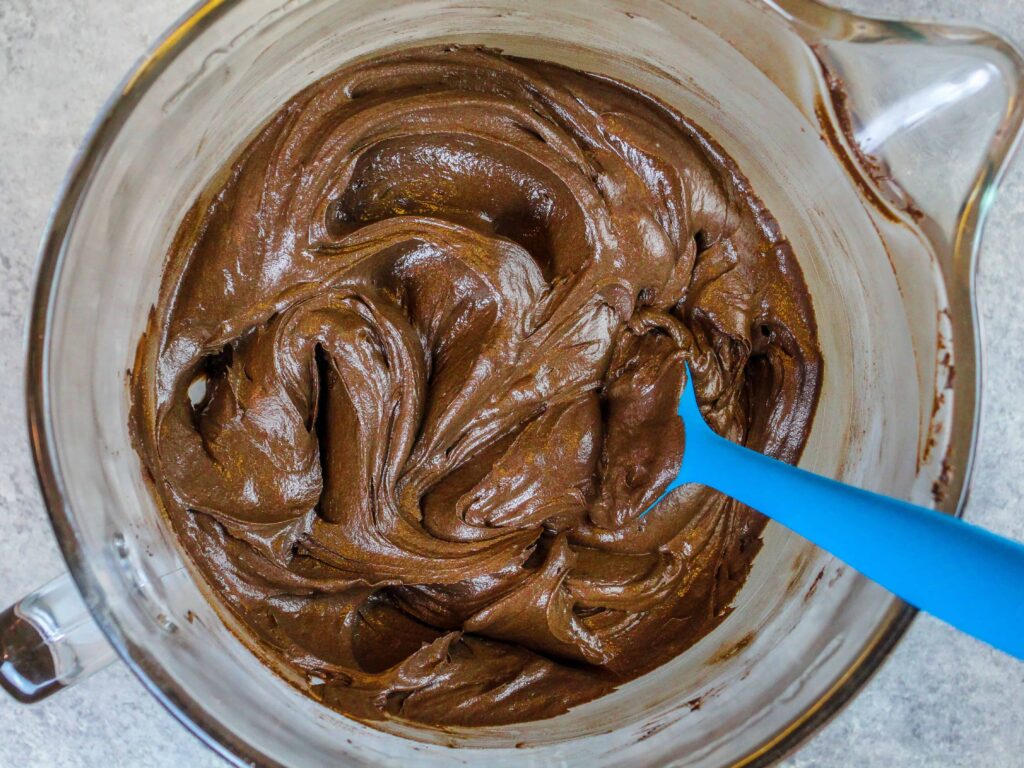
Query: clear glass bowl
point(878, 145)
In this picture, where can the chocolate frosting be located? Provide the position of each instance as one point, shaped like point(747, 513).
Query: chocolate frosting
point(411, 383)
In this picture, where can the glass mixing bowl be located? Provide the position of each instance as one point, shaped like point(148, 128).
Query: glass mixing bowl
point(878, 146)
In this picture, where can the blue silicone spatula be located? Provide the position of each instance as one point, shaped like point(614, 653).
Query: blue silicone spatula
point(966, 576)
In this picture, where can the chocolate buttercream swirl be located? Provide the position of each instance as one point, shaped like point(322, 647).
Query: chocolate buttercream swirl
point(411, 383)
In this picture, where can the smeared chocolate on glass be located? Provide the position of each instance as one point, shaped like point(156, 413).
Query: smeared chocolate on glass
point(412, 376)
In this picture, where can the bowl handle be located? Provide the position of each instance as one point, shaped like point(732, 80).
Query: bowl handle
point(49, 641)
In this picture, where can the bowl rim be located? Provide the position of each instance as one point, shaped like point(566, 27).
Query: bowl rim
point(173, 697)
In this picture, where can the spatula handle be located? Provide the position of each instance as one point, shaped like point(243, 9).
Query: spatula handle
point(962, 574)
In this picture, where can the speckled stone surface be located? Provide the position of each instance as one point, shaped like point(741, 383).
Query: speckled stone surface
point(941, 699)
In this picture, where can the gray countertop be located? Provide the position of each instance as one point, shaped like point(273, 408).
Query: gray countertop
point(941, 699)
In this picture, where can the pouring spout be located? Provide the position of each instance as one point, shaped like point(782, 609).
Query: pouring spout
point(930, 113)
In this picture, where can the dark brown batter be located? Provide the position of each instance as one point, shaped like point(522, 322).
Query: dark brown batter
point(412, 378)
